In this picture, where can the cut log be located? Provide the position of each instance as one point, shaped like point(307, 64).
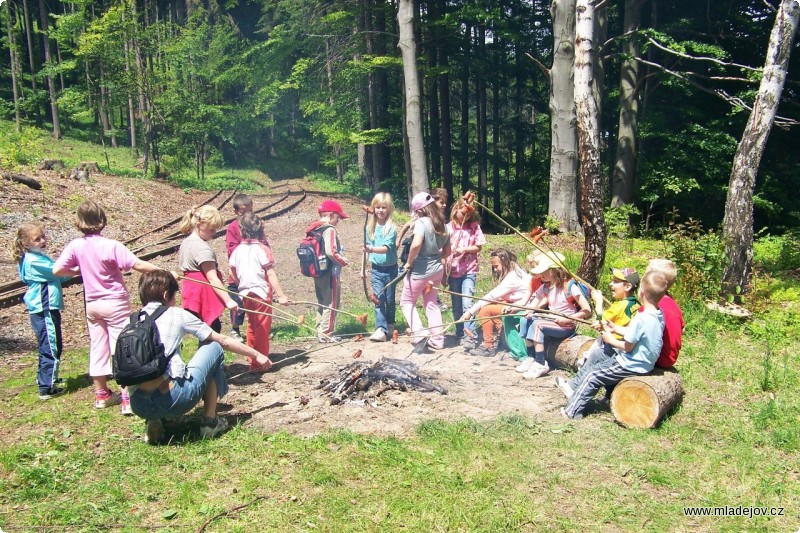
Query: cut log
point(89, 166)
point(51, 164)
point(642, 401)
point(567, 353)
point(25, 180)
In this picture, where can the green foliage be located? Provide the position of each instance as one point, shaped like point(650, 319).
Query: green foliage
point(618, 219)
point(775, 252)
point(552, 224)
point(18, 149)
point(699, 256)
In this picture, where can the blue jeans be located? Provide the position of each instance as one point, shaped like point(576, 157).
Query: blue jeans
point(465, 285)
point(237, 318)
point(186, 392)
point(540, 330)
point(384, 311)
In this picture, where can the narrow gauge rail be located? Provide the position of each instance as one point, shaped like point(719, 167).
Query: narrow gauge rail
point(11, 293)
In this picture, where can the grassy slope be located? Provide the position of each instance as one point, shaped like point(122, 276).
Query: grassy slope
point(734, 441)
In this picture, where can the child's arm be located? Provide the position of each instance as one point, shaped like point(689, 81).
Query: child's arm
point(403, 231)
point(622, 344)
point(144, 266)
point(209, 268)
point(272, 279)
point(237, 347)
point(330, 250)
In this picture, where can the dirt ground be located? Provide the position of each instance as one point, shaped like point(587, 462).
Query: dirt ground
point(478, 388)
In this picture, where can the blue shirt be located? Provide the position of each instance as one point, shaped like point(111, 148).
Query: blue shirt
point(44, 289)
point(646, 333)
point(383, 237)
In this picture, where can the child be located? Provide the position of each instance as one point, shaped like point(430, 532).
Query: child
point(180, 388)
point(44, 302)
point(101, 262)
point(558, 293)
point(624, 284)
point(635, 354)
point(242, 204)
point(197, 261)
point(466, 241)
point(380, 244)
point(430, 244)
point(673, 316)
point(252, 268)
point(512, 288)
point(326, 286)
point(440, 196)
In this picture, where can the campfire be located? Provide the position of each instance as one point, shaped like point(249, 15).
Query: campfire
point(366, 381)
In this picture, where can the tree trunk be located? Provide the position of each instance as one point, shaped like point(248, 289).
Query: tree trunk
point(12, 52)
point(622, 179)
point(586, 113)
point(464, 131)
point(737, 225)
point(131, 110)
point(642, 401)
point(562, 202)
point(496, 156)
point(337, 150)
point(51, 86)
point(413, 114)
point(433, 110)
point(480, 88)
point(446, 131)
point(29, 37)
point(384, 168)
point(374, 161)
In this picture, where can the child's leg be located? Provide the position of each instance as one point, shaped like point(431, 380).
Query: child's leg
point(379, 280)
point(488, 322)
point(412, 290)
point(467, 287)
point(47, 327)
point(606, 374)
point(433, 312)
point(259, 326)
point(105, 319)
point(516, 344)
point(542, 329)
point(456, 285)
point(323, 287)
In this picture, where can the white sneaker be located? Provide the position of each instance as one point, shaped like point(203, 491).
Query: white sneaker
point(215, 427)
point(525, 365)
point(235, 335)
point(563, 384)
point(378, 336)
point(537, 371)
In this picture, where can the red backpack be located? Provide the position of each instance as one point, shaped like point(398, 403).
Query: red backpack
point(311, 252)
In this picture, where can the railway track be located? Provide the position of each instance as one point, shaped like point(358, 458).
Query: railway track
point(11, 293)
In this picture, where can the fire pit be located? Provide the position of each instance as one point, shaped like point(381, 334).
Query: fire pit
point(365, 380)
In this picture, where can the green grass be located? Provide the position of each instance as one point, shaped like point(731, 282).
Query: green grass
point(732, 442)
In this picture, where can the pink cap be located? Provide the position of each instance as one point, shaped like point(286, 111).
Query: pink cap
point(331, 206)
point(420, 200)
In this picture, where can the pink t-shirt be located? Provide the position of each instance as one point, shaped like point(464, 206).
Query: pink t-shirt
point(102, 262)
point(460, 237)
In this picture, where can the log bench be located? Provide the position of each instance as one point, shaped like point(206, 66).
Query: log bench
point(637, 402)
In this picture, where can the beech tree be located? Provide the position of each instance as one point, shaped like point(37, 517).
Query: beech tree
point(738, 222)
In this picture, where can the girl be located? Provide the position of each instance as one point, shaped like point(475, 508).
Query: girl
point(431, 243)
point(182, 386)
point(513, 288)
point(561, 295)
point(466, 241)
point(253, 273)
point(197, 261)
point(43, 300)
point(382, 249)
point(101, 262)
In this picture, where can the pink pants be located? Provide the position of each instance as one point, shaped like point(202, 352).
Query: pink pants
point(105, 319)
point(412, 290)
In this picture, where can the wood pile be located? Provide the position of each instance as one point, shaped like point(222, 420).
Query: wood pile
point(365, 380)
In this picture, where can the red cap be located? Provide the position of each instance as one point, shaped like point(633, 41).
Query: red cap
point(331, 206)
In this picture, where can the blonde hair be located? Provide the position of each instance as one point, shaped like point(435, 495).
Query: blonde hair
point(20, 244)
point(654, 286)
point(90, 218)
point(664, 266)
point(470, 216)
point(381, 198)
point(533, 259)
point(205, 214)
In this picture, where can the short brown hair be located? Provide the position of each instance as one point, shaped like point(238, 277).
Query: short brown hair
point(241, 200)
point(90, 218)
point(440, 194)
point(251, 225)
point(654, 286)
point(153, 285)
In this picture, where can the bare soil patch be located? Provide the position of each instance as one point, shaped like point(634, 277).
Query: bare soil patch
point(478, 388)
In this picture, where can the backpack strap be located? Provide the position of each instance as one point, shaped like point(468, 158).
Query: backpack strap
point(160, 310)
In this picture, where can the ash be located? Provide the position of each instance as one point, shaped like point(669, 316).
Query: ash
point(363, 381)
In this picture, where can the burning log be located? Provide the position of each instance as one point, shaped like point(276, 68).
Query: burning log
point(364, 379)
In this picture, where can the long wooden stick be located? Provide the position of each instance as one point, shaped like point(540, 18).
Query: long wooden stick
point(361, 318)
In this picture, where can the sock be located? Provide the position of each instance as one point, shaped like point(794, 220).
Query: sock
point(125, 397)
point(539, 357)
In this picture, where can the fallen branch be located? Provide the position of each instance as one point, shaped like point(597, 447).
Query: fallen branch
point(229, 511)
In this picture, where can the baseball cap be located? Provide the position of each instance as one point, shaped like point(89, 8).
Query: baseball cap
point(420, 200)
point(626, 274)
point(331, 206)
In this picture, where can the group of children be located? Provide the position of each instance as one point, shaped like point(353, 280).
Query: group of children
point(436, 254)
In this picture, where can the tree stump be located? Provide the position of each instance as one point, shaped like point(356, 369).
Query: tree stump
point(642, 401)
point(89, 166)
point(568, 352)
point(51, 164)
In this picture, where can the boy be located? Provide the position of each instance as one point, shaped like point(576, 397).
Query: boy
point(635, 354)
point(326, 285)
point(673, 316)
point(242, 204)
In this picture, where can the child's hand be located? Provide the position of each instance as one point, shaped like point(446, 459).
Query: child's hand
point(608, 337)
point(283, 300)
point(596, 325)
point(232, 306)
point(466, 316)
point(609, 326)
point(368, 248)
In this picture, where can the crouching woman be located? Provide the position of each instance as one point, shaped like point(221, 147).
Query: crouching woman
point(182, 386)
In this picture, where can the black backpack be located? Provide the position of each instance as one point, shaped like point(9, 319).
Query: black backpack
point(139, 355)
point(311, 252)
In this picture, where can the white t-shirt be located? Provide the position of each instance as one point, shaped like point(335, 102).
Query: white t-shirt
point(250, 259)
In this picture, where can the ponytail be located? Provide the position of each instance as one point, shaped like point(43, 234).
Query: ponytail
point(205, 214)
point(18, 247)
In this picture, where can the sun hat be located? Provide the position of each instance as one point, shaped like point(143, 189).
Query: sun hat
point(420, 200)
point(546, 263)
point(626, 274)
point(331, 206)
